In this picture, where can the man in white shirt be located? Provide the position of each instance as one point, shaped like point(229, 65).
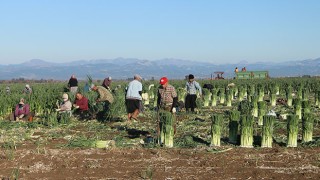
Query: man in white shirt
point(192, 87)
point(133, 98)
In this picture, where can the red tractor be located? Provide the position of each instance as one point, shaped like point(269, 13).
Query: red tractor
point(218, 75)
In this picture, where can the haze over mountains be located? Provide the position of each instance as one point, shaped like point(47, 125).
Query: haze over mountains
point(123, 68)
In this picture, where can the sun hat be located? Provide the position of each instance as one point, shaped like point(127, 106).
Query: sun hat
point(163, 80)
point(27, 86)
point(65, 96)
point(21, 101)
point(137, 76)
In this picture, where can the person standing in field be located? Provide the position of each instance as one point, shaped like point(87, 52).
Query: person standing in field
point(133, 98)
point(27, 90)
point(236, 70)
point(73, 84)
point(107, 83)
point(8, 91)
point(192, 86)
point(167, 96)
point(167, 100)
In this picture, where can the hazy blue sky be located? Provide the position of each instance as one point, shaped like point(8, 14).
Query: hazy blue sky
point(202, 30)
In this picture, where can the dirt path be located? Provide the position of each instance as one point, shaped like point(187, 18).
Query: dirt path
point(160, 163)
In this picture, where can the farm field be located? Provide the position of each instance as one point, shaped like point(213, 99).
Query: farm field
point(68, 148)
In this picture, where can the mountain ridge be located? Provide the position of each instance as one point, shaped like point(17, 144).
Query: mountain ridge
point(123, 68)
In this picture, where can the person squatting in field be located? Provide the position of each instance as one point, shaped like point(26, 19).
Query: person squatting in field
point(22, 112)
point(192, 86)
point(81, 105)
point(107, 83)
point(65, 105)
point(73, 84)
point(133, 98)
point(105, 96)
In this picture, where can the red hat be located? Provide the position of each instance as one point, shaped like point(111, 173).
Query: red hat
point(163, 80)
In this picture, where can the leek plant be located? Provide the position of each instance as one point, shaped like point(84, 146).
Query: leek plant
point(229, 98)
point(145, 98)
point(251, 90)
point(246, 132)
point(267, 131)
point(241, 93)
point(166, 125)
point(222, 95)
point(305, 94)
point(297, 107)
point(306, 106)
point(260, 91)
point(235, 91)
point(151, 91)
point(181, 94)
point(292, 130)
point(206, 96)
point(316, 100)
point(277, 89)
point(214, 97)
point(289, 95)
point(299, 91)
point(254, 105)
point(245, 108)
point(307, 127)
point(273, 95)
point(262, 110)
point(234, 118)
point(216, 127)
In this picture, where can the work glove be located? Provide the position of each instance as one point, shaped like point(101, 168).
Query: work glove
point(75, 106)
point(58, 109)
point(21, 116)
point(174, 110)
point(17, 118)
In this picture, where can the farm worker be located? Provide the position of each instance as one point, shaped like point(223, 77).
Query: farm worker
point(86, 87)
point(66, 105)
point(167, 100)
point(236, 70)
point(81, 105)
point(106, 83)
point(192, 86)
point(73, 84)
point(167, 96)
point(8, 90)
point(133, 98)
point(27, 89)
point(104, 96)
point(22, 111)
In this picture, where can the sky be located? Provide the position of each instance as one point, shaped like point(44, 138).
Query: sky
point(216, 31)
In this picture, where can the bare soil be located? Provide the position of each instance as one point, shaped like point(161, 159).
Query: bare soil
point(228, 162)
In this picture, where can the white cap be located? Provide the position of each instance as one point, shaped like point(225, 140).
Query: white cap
point(65, 96)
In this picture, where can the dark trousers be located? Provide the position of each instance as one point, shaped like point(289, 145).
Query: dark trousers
point(191, 102)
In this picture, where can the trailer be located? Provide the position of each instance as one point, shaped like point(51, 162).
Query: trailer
point(252, 75)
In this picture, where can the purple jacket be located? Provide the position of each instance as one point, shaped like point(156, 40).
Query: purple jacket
point(25, 109)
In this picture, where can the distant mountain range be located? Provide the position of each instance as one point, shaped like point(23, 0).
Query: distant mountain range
point(123, 68)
